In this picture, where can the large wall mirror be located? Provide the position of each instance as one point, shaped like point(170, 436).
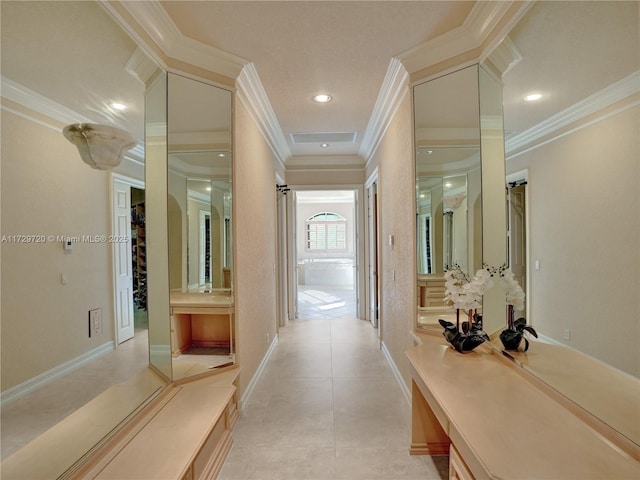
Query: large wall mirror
point(458, 220)
point(55, 362)
point(571, 119)
point(200, 226)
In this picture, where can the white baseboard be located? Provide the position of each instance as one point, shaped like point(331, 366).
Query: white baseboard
point(19, 391)
point(544, 339)
point(252, 384)
point(397, 374)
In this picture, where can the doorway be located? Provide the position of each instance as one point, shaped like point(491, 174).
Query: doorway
point(518, 232)
point(129, 257)
point(326, 254)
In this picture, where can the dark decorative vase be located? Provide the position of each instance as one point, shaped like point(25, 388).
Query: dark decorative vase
point(511, 339)
point(513, 335)
point(471, 335)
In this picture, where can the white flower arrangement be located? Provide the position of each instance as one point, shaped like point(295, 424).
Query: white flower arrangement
point(465, 294)
point(514, 292)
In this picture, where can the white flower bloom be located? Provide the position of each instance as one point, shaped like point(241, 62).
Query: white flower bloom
point(514, 293)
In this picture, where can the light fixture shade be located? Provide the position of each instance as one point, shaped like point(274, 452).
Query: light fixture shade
point(100, 146)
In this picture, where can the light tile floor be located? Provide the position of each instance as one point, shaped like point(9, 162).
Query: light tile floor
point(327, 407)
point(26, 418)
point(326, 302)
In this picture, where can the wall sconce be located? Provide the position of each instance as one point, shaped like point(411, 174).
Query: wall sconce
point(100, 146)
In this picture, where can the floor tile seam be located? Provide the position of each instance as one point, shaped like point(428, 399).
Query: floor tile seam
point(333, 403)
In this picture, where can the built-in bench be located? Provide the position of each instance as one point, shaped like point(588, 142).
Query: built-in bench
point(185, 434)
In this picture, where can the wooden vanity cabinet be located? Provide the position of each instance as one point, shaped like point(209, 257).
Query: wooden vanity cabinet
point(431, 290)
point(201, 320)
point(496, 423)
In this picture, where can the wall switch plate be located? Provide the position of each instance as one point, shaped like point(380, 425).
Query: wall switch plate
point(567, 334)
point(95, 322)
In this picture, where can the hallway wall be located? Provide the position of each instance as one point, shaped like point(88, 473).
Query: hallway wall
point(396, 189)
point(254, 217)
point(583, 188)
point(47, 190)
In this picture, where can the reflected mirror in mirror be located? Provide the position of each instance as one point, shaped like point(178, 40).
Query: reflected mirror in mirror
point(570, 240)
point(448, 187)
point(200, 226)
point(59, 362)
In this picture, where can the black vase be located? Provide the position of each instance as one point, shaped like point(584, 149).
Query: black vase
point(511, 339)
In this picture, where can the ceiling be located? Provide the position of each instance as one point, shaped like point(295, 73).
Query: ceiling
point(303, 48)
point(75, 54)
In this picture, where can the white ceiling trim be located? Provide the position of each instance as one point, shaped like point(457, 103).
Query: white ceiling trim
point(51, 110)
point(252, 95)
point(394, 88)
point(482, 20)
point(163, 31)
point(184, 169)
point(210, 137)
point(594, 103)
point(38, 103)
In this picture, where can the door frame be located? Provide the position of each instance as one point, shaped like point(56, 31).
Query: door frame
point(519, 177)
point(360, 236)
point(139, 184)
point(372, 278)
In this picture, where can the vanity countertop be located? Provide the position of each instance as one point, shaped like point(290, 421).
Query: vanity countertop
point(503, 425)
point(204, 299)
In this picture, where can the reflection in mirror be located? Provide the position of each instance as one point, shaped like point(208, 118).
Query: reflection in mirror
point(156, 224)
point(448, 187)
point(55, 370)
point(494, 226)
point(199, 216)
point(573, 151)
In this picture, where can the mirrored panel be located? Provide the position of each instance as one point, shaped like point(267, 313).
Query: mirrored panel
point(151, 242)
point(200, 226)
point(571, 120)
point(74, 337)
point(448, 188)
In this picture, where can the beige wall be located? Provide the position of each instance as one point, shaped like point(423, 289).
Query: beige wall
point(48, 190)
point(396, 187)
point(254, 202)
point(584, 230)
point(325, 177)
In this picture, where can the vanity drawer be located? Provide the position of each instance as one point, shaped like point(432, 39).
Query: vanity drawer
point(457, 468)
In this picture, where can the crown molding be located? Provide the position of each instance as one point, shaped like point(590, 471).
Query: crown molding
point(593, 104)
point(34, 101)
point(252, 95)
point(394, 89)
point(483, 19)
point(157, 24)
point(51, 114)
point(221, 138)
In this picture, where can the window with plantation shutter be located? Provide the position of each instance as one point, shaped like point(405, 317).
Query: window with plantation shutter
point(326, 232)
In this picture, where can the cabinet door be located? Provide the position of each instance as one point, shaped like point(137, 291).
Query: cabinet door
point(457, 468)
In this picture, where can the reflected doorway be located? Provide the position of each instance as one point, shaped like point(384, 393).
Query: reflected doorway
point(138, 260)
point(517, 234)
point(326, 254)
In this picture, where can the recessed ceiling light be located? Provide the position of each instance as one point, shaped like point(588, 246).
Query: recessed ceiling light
point(118, 106)
point(447, 185)
point(221, 155)
point(429, 152)
point(208, 189)
point(532, 97)
point(324, 145)
point(322, 98)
